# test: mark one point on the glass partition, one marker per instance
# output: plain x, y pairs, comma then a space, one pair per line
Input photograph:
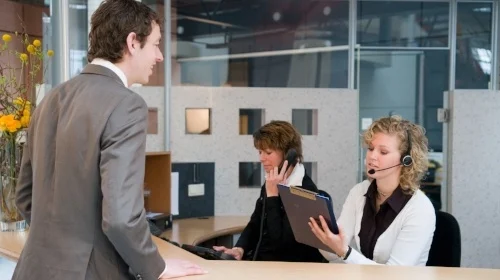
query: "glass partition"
260, 43
474, 45
403, 23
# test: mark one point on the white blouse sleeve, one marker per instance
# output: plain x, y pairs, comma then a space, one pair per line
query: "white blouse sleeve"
347, 220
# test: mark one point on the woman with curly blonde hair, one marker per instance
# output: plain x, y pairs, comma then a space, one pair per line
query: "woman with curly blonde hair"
390, 219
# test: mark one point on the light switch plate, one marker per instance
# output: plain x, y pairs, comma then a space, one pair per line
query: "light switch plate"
196, 189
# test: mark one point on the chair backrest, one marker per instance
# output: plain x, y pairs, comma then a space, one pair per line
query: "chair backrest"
446, 245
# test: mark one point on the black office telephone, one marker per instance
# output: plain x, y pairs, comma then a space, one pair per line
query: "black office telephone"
155, 230
291, 157
207, 253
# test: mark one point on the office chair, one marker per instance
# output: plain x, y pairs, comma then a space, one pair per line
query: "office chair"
446, 243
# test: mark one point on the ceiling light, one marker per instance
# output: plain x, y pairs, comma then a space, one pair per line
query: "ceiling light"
276, 16
327, 10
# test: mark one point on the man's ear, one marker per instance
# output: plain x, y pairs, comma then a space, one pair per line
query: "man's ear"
132, 43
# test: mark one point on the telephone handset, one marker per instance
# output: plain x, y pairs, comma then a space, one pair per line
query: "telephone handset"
291, 157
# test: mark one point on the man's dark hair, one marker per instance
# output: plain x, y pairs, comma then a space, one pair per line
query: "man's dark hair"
112, 22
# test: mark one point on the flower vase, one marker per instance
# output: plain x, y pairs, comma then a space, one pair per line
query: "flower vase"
10, 161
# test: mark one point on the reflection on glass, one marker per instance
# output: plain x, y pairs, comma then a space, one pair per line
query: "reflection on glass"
407, 83
436, 81
249, 174
250, 120
78, 19
473, 60
312, 170
306, 121
300, 45
404, 24
198, 121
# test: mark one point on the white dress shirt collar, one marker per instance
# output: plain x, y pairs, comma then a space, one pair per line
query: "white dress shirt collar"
112, 67
298, 173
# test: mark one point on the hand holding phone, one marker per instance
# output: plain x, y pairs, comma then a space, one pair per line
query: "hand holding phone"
277, 175
291, 158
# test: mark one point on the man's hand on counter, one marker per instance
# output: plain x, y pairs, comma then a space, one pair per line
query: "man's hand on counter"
179, 268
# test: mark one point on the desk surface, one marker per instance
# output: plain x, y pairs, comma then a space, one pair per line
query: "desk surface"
11, 245
194, 231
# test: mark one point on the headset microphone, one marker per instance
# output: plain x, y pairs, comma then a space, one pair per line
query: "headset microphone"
372, 171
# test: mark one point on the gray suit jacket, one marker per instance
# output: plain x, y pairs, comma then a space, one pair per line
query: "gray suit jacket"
81, 184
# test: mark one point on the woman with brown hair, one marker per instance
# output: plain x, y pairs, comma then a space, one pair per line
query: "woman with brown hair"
268, 236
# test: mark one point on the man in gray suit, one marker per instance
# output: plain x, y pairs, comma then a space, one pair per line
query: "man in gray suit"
81, 181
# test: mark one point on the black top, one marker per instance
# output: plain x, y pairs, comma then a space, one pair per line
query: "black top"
278, 242
374, 223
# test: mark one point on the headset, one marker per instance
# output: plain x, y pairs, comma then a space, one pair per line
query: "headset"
406, 159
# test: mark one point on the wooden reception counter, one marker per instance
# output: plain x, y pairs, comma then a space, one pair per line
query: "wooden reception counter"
11, 245
195, 231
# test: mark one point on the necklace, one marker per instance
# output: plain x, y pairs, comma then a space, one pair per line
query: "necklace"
382, 194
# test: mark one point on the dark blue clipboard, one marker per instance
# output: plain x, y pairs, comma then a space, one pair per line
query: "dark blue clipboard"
301, 204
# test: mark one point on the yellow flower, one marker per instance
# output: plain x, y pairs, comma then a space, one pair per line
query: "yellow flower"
6, 38
37, 43
23, 57
31, 49
50, 53
18, 101
9, 123
14, 126
22, 103
25, 120
3, 125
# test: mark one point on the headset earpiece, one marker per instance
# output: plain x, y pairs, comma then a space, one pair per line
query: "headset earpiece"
406, 159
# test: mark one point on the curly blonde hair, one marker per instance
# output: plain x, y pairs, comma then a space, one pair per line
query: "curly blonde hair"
410, 176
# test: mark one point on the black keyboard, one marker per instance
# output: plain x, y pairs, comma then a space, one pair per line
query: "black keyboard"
207, 253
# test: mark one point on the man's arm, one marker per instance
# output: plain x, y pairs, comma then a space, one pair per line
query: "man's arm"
122, 176
24, 188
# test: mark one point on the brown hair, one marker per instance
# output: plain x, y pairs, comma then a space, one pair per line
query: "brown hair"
112, 22
278, 135
410, 176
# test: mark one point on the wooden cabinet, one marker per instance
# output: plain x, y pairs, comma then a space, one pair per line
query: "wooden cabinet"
157, 182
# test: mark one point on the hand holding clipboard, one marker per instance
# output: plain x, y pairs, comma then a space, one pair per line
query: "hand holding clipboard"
334, 241
300, 205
